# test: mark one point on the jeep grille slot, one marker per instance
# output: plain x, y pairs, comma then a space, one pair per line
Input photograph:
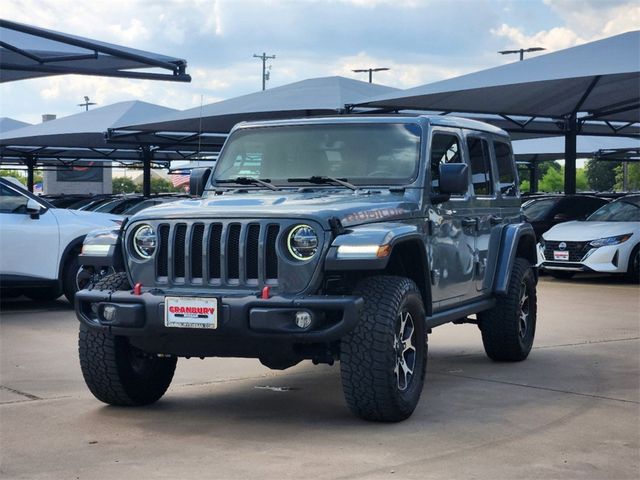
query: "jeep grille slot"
233, 252
162, 259
251, 257
221, 253
215, 236
178, 258
196, 250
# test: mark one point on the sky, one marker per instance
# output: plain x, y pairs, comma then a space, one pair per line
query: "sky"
421, 41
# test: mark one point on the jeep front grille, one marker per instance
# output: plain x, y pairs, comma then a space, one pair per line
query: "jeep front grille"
217, 253
577, 250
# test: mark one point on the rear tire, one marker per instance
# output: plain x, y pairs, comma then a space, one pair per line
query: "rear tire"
508, 329
116, 372
383, 360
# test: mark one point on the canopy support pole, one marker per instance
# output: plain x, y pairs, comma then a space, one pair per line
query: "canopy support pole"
533, 178
570, 147
31, 164
147, 156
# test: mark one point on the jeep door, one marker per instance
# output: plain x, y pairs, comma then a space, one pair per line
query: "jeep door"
451, 225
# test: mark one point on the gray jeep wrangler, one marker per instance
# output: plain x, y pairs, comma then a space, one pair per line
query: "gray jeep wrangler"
342, 238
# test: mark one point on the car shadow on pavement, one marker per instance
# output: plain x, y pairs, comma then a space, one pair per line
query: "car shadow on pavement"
18, 304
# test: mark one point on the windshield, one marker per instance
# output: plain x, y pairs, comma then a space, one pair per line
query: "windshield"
619, 211
536, 210
376, 154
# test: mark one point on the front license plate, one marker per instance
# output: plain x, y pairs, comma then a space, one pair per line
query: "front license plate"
191, 312
561, 255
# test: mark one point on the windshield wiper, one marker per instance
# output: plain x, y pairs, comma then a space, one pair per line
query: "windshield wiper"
249, 181
321, 179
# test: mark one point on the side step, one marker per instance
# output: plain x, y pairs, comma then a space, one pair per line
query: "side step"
458, 313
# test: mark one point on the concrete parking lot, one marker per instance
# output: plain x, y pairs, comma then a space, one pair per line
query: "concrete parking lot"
572, 410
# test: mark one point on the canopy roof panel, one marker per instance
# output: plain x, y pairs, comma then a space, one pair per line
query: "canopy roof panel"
31, 52
7, 124
316, 96
85, 129
600, 79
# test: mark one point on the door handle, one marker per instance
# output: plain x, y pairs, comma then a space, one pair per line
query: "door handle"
494, 219
469, 222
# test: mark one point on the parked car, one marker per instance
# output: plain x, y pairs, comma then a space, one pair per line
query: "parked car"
545, 212
324, 239
40, 244
608, 241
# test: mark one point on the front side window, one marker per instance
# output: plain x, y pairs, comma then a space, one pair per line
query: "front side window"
445, 148
363, 154
506, 173
480, 160
11, 201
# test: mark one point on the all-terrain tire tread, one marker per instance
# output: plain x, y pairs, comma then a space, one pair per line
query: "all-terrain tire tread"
103, 362
499, 330
367, 351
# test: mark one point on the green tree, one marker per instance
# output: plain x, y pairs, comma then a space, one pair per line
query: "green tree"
601, 176
633, 177
21, 175
124, 185
553, 180
159, 185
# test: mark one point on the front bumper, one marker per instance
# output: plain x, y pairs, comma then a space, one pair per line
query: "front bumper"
607, 259
246, 317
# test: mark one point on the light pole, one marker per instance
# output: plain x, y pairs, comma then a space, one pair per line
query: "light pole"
265, 75
86, 104
371, 70
522, 51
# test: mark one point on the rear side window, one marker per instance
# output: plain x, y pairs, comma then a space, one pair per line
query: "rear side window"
506, 173
445, 148
480, 166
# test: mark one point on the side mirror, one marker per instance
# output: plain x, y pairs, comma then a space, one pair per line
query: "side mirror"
34, 209
454, 178
198, 180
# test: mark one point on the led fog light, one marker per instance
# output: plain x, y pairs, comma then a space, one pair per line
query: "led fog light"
303, 319
109, 313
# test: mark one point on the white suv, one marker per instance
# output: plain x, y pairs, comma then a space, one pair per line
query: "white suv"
39, 244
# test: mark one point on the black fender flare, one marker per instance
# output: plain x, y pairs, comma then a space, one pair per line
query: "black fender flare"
517, 240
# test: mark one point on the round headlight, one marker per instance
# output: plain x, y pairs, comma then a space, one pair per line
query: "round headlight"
145, 241
302, 242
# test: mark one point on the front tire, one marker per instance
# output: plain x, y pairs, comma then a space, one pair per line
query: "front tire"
116, 372
508, 329
383, 360
633, 270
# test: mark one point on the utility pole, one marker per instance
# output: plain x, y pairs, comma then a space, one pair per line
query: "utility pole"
522, 51
265, 74
371, 70
86, 104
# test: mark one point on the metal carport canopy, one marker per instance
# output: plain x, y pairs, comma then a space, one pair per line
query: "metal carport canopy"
82, 136
32, 52
595, 81
315, 96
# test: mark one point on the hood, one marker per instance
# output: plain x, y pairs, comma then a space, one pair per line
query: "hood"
87, 217
586, 231
321, 204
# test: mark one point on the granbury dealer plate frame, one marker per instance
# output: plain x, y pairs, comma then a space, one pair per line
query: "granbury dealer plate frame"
191, 312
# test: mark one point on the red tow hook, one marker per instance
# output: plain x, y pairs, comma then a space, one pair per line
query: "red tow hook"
265, 293
137, 289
